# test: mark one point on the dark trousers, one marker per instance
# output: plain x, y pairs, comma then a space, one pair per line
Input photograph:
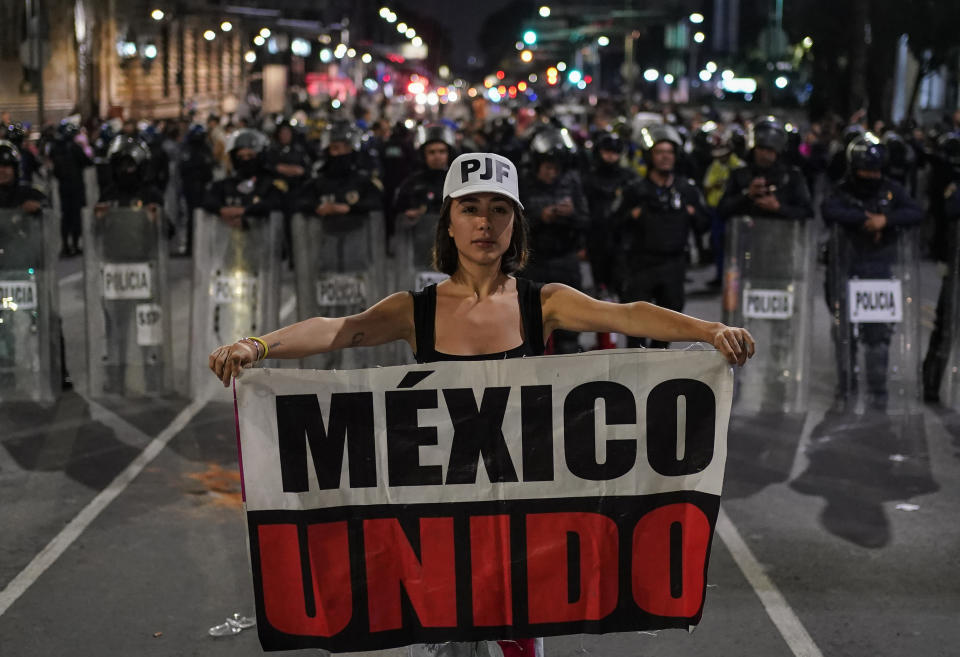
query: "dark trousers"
661, 284
71, 220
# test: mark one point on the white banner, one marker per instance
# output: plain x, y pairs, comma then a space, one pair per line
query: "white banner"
874, 301
149, 325
337, 289
127, 280
263, 394
767, 304
230, 289
18, 295
482, 485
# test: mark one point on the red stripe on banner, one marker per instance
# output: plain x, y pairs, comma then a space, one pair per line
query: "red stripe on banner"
670, 545
429, 582
593, 594
490, 570
329, 607
236, 424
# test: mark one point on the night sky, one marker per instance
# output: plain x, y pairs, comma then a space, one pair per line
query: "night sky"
463, 19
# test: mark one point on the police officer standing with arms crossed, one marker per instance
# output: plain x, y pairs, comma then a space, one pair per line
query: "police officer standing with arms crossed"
654, 221
340, 186
558, 216
869, 208
250, 190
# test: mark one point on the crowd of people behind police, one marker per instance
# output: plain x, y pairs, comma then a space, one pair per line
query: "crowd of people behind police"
637, 194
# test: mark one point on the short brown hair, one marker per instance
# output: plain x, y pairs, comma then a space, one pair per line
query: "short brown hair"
446, 259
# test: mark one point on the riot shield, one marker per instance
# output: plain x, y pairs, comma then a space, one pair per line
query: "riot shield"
129, 341
873, 295
340, 271
29, 308
413, 253
236, 286
948, 349
768, 290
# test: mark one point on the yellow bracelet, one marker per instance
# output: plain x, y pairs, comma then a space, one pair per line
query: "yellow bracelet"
263, 344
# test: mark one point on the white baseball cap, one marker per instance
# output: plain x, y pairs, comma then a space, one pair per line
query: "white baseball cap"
472, 173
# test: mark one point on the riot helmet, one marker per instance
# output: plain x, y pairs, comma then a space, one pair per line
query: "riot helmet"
551, 144
865, 153
432, 134
246, 149
851, 132
768, 133
286, 125
608, 147
196, 134
341, 130
10, 157
129, 158
660, 133
900, 155
67, 130
737, 139
16, 134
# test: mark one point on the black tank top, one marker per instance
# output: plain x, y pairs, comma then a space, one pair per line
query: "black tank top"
531, 317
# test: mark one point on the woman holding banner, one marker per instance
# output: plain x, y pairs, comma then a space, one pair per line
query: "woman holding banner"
482, 312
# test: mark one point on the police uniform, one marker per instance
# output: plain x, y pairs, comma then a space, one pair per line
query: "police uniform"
555, 245
603, 187
938, 350
259, 195
341, 182
69, 161
651, 248
867, 257
790, 190
196, 172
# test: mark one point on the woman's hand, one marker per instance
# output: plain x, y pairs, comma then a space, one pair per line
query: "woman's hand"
230, 360
736, 344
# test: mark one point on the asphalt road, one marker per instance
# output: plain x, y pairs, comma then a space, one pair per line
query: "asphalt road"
838, 536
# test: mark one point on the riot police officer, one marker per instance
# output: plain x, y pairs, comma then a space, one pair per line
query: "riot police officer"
654, 221
422, 192
128, 182
869, 208
558, 216
287, 159
13, 192
901, 162
29, 164
946, 212
250, 190
603, 186
196, 171
69, 161
767, 186
340, 190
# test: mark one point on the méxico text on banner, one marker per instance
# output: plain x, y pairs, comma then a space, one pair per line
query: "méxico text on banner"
463, 501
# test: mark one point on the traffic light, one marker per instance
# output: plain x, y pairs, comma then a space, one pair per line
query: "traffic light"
529, 37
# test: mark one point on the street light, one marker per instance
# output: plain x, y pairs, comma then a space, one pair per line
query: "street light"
668, 78
807, 43
696, 18
416, 41
250, 57
711, 66
366, 58
561, 66
603, 41
651, 75
259, 40
226, 26
265, 32
699, 37
150, 51
209, 35
529, 37
728, 74
401, 27
157, 14
526, 56
410, 33
384, 12
574, 76
544, 12
781, 82
392, 18
705, 75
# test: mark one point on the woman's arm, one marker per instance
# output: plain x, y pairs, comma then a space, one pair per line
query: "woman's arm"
569, 309
390, 319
